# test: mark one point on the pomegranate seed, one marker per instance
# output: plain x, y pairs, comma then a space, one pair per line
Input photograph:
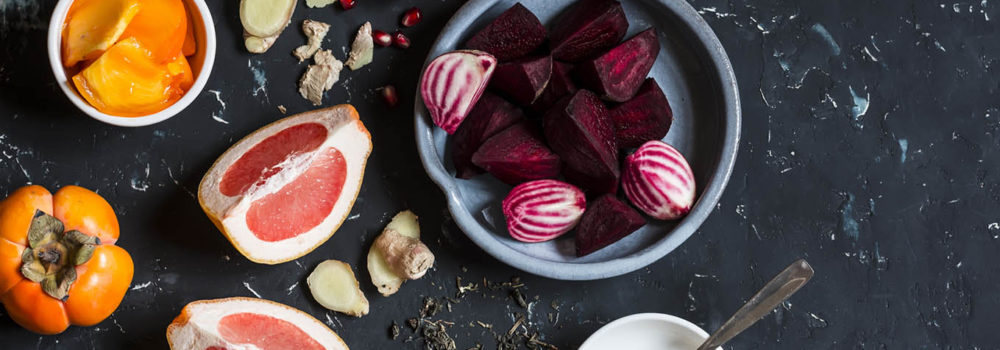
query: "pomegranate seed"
400, 40
411, 17
390, 96
347, 4
381, 38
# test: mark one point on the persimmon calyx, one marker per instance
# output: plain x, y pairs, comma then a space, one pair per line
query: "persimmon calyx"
52, 255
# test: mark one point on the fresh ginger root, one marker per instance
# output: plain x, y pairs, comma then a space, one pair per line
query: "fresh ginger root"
398, 254
315, 32
263, 21
362, 49
333, 285
407, 257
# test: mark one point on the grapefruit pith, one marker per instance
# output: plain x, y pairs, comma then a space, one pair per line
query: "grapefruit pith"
280, 192
249, 323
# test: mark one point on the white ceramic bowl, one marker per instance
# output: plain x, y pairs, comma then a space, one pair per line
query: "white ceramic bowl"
201, 65
648, 331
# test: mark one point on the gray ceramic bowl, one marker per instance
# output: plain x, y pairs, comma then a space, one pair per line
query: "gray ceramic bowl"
695, 74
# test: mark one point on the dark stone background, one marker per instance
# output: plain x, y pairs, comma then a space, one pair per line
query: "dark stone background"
871, 147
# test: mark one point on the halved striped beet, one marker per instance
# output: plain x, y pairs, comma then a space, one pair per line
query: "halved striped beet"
452, 83
542, 210
658, 181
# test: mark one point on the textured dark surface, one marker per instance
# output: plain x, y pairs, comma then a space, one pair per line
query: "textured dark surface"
871, 145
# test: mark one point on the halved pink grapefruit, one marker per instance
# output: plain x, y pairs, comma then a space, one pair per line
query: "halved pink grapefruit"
280, 192
248, 323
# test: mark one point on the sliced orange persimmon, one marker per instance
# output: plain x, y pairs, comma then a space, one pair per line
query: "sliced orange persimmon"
126, 81
93, 26
181, 72
160, 26
190, 42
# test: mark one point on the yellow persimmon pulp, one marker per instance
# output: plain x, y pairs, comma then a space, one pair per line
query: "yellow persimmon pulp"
127, 57
92, 26
127, 81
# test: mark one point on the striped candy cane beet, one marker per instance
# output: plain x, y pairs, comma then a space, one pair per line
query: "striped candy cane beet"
452, 83
658, 181
542, 210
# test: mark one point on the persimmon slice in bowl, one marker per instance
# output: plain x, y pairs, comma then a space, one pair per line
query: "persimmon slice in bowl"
286, 188
248, 322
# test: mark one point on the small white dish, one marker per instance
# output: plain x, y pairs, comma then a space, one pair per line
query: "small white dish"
649, 331
201, 65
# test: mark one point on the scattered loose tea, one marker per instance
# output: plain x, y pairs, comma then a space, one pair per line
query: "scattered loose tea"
394, 331
519, 298
436, 336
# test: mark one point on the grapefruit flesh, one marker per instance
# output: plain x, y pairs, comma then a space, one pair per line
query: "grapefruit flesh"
301, 204
280, 192
261, 162
265, 332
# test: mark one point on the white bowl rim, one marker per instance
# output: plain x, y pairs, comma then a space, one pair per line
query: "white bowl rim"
54, 43
644, 317
702, 208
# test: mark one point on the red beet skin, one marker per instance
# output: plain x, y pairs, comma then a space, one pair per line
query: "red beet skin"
617, 74
606, 221
587, 28
491, 115
580, 132
517, 155
645, 117
523, 80
560, 85
512, 35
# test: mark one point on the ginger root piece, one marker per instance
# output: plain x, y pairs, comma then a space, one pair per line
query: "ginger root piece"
362, 49
398, 254
258, 45
263, 21
320, 76
315, 32
319, 3
407, 257
333, 285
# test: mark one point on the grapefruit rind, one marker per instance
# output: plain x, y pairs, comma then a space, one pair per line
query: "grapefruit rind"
197, 326
346, 133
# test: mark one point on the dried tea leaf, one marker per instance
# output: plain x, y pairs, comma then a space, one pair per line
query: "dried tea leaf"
394, 331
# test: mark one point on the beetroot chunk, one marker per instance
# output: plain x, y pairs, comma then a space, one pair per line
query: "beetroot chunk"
523, 80
491, 115
517, 155
513, 34
580, 132
617, 74
645, 117
606, 221
560, 85
588, 28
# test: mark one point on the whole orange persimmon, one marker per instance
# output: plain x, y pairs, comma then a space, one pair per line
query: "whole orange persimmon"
59, 264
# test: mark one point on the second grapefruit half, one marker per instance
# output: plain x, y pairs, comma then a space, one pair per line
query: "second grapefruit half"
248, 323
